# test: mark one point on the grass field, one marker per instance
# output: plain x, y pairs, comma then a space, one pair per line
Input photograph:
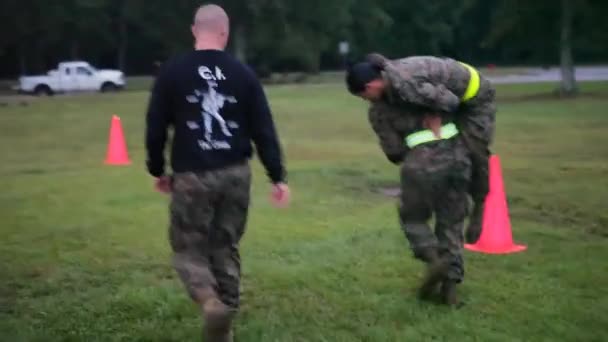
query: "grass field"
84, 253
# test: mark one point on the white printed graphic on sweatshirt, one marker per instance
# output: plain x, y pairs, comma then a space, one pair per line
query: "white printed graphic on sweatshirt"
212, 103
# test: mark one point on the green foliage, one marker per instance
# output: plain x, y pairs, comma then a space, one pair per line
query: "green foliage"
288, 35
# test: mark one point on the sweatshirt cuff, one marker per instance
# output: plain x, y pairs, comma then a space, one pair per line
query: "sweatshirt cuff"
156, 169
278, 176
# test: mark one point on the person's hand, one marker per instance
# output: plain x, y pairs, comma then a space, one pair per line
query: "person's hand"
162, 184
280, 195
433, 122
377, 60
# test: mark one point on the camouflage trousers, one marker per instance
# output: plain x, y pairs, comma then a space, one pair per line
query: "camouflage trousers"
208, 216
477, 125
435, 179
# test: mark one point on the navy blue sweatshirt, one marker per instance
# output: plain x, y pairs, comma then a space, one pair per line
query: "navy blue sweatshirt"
217, 108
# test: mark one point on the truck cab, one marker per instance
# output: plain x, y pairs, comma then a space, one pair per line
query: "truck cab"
73, 76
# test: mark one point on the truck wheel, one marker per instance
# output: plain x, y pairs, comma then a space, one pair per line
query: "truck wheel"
108, 87
43, 90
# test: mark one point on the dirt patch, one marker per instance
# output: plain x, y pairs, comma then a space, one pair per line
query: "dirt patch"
392, 192
15, 100
354, 180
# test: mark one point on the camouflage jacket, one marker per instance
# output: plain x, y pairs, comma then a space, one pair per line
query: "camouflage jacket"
435, 83
391, 125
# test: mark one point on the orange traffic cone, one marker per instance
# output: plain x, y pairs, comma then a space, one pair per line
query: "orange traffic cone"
496, 236
117, 148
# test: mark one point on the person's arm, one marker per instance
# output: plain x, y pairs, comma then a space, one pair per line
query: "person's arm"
264, 135
418, 88
158, 118
391, 141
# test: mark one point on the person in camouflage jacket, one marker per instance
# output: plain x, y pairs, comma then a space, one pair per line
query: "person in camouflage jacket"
434, 180
442, 86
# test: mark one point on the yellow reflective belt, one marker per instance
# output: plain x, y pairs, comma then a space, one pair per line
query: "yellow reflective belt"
473, 86
447, 131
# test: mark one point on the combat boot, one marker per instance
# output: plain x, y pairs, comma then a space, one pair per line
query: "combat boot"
217, 317
449, 293
210, 335
435, 272
475, 223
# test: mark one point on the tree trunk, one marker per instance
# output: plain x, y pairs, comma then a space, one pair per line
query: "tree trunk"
74, 53
122, 45
240, 44
314, 62
568, 84
38, 65
22, 60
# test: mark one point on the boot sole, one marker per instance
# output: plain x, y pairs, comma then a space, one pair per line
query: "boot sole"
432, 279
214, 336
218, 321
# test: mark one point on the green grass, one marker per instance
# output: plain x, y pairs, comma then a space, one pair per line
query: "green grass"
84, 253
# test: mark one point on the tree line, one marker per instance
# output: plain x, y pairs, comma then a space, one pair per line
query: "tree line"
296, 35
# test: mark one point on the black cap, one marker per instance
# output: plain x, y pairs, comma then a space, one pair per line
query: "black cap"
360, 74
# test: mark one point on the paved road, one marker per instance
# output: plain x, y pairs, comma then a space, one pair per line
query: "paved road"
534, 75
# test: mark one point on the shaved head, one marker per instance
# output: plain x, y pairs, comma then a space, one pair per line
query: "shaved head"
211, 28
211, 18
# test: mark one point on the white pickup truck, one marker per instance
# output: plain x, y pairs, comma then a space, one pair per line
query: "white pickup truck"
75, 76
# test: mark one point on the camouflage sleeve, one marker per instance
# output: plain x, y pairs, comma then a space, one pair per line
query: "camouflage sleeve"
391, 141
418, 88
